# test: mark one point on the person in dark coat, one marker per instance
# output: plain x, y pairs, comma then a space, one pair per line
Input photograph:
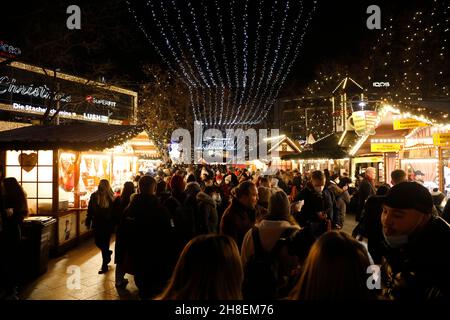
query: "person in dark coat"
13, 210
101, 218
150, 239
182, 206
316, 208
176, 200
239, 217
207, 218
119, 205
281, 184
369, 225
416, 263
365, 190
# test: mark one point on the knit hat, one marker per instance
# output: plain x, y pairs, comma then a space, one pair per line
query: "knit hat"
409, 195
279, 205
193, 187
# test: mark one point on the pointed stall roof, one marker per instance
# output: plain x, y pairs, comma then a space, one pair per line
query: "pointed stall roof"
325, 148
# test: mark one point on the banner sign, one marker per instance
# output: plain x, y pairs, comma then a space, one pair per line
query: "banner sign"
408, 123
368, 159
385, 147
441, 139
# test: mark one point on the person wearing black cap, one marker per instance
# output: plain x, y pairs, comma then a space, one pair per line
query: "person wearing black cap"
416, 260
370, 225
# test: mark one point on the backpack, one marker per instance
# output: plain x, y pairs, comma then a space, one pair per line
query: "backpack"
262, 270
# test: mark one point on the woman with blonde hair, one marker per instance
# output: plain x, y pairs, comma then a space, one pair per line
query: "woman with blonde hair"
209, 268
101, 218
335, 269
270, 237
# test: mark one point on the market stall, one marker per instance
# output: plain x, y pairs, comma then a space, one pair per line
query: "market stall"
426, 157
415, 139
380, 141
59, 167
320, 155
282, 147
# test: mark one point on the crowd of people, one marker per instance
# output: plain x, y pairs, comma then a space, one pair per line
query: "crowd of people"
219, 233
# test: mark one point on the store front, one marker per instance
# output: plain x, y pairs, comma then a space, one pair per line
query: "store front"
426, 156
59, 168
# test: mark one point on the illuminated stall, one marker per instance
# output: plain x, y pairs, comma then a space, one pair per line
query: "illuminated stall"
418, 144
426, 157
59, 167
381, 140
149, 158
323, 154
283, 147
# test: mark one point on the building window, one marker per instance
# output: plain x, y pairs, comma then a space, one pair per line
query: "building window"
34, 171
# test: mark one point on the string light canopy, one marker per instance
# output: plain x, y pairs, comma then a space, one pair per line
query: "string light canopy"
234, 56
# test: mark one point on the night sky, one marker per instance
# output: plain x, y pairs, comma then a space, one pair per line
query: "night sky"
337, 32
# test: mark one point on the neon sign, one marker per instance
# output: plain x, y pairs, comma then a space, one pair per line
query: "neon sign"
10, 86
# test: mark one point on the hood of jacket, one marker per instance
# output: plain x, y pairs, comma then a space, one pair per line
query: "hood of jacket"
204, 197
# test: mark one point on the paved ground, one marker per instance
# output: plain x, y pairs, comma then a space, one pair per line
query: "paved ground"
349, 223
56, 282
53, 285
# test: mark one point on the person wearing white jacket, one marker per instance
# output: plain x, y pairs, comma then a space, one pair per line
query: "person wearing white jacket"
270, 229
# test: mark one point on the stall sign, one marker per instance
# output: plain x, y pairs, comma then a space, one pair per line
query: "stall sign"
441, 139
385, 147
401, 124
368, 159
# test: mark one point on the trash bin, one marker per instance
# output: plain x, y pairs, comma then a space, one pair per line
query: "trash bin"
36, 235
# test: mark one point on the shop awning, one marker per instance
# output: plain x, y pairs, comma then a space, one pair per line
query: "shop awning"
73, 136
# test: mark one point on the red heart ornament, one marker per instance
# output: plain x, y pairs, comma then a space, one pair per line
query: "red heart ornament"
28, 161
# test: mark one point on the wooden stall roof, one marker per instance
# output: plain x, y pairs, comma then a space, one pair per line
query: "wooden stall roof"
326, 148
74, 136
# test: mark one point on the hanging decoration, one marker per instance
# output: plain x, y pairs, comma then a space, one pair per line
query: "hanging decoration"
234, 56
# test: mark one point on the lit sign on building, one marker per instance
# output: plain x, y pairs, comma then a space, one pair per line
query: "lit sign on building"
104, 102
9, 51
64, 114
34, 90
8, 85
381, 84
